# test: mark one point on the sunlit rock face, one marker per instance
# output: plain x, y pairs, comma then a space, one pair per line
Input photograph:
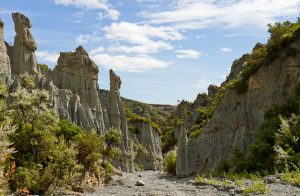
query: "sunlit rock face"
75, 71
23, 52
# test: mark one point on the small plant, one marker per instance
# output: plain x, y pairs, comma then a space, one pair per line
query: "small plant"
291, 178
200, 179
169, 165
256, 187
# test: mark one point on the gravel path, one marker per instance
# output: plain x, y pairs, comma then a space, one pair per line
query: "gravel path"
158, 184
155, 184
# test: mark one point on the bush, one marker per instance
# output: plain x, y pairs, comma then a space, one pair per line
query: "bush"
169, 165
90, 148
69, 130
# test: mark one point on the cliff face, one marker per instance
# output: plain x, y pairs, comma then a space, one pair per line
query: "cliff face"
239, 115
147, 144
5, 69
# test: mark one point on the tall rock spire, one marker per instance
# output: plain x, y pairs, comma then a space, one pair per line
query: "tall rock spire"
118, 120
24, 48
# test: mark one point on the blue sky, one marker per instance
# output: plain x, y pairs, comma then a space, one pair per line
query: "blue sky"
164, 50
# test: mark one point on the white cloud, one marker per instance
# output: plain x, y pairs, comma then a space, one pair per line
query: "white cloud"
144, 39
92, 4
47, 57
136, 63
192, 54
83, 39
140, 34
199, 14
225, 50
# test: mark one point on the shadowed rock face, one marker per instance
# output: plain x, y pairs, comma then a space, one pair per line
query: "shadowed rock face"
24, 59
238, 116
118, 120
5, 69
150, 155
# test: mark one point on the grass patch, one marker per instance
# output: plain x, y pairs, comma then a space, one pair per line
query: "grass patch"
291, 178
256, 187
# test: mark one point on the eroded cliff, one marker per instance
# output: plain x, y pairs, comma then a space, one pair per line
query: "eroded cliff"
239, 114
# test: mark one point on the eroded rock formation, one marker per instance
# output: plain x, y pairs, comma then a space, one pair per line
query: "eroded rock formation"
77, 72
5, 69
147, 144
118, 120
23, 59
239, 115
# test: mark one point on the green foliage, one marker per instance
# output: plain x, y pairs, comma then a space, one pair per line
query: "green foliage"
291, 178
44, 161
44, 68
263, 156
133, 117
287, 145
169, 164
112, 139
69, 130
90, 147
258, 187
5, 129
167, 136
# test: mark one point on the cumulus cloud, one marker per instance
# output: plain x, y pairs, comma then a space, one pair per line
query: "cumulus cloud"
139, 34
192, 54
200, 14
92, 4
143, 39
47, 57
137, 63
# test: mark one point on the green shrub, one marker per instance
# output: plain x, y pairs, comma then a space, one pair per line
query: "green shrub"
90, 148
44, 68
169, 164
262, 154
43, 160
69, 130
